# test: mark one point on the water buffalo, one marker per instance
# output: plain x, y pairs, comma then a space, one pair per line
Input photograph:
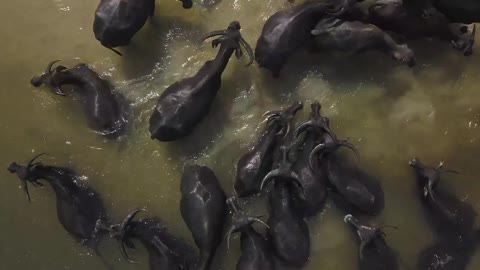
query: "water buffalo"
255, 164
79, 208
289, 30
166, 252
314, 182
374, 253
104, 108
462, 11
449, 254
117, 21
355, 37
352, 188
256, 250
449, 216
411, 24
204, 210
184, 104
288, 230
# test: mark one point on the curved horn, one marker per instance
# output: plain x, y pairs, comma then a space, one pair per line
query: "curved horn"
350, 146
449, 171
228, 235
115, 51
302, 128
123, 232
287, 128
50, 65
213, 34
271, 175
30, 163
317, 148
248, 49
253, 219
271, 113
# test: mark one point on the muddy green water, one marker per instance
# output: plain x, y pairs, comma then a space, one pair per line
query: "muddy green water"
389, 111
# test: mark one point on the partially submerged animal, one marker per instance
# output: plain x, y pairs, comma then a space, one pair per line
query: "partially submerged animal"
256, 251
184, 104
352, 189
288, 230
166, 252
461, 11
254, 165
449, 254
449, 216
411, 23
80, 209
313, 181
103, 107
204, 210
356, 37
117, 21
374, 253
289, 30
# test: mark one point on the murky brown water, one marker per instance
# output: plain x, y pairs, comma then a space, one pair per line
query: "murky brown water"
389, 111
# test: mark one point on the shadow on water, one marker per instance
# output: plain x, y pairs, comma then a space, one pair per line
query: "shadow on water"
150, 45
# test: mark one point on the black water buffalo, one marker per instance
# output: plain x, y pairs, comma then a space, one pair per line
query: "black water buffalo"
448, 215
289, 30
104, 108
314, 182
117, 21
462, 11
449, 254
374, 253
256, 250
255, 164
352, 189
409, 22
355, 37
452, 219
166, 252
184, 104
288, 230
79, 208
204, 210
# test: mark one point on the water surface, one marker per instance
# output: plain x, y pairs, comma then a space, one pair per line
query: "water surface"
392, 113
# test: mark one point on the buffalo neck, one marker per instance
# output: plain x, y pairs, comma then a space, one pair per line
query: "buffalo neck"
62, 180
220, 62
280, 198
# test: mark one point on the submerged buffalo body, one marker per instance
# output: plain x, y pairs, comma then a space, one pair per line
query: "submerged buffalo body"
256, 251
287, 31
355, 37
204, 210
165, 251
184, 104
117, 21
103, 107
79, 208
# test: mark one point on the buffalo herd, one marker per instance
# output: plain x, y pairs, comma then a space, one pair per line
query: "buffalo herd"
297, 168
